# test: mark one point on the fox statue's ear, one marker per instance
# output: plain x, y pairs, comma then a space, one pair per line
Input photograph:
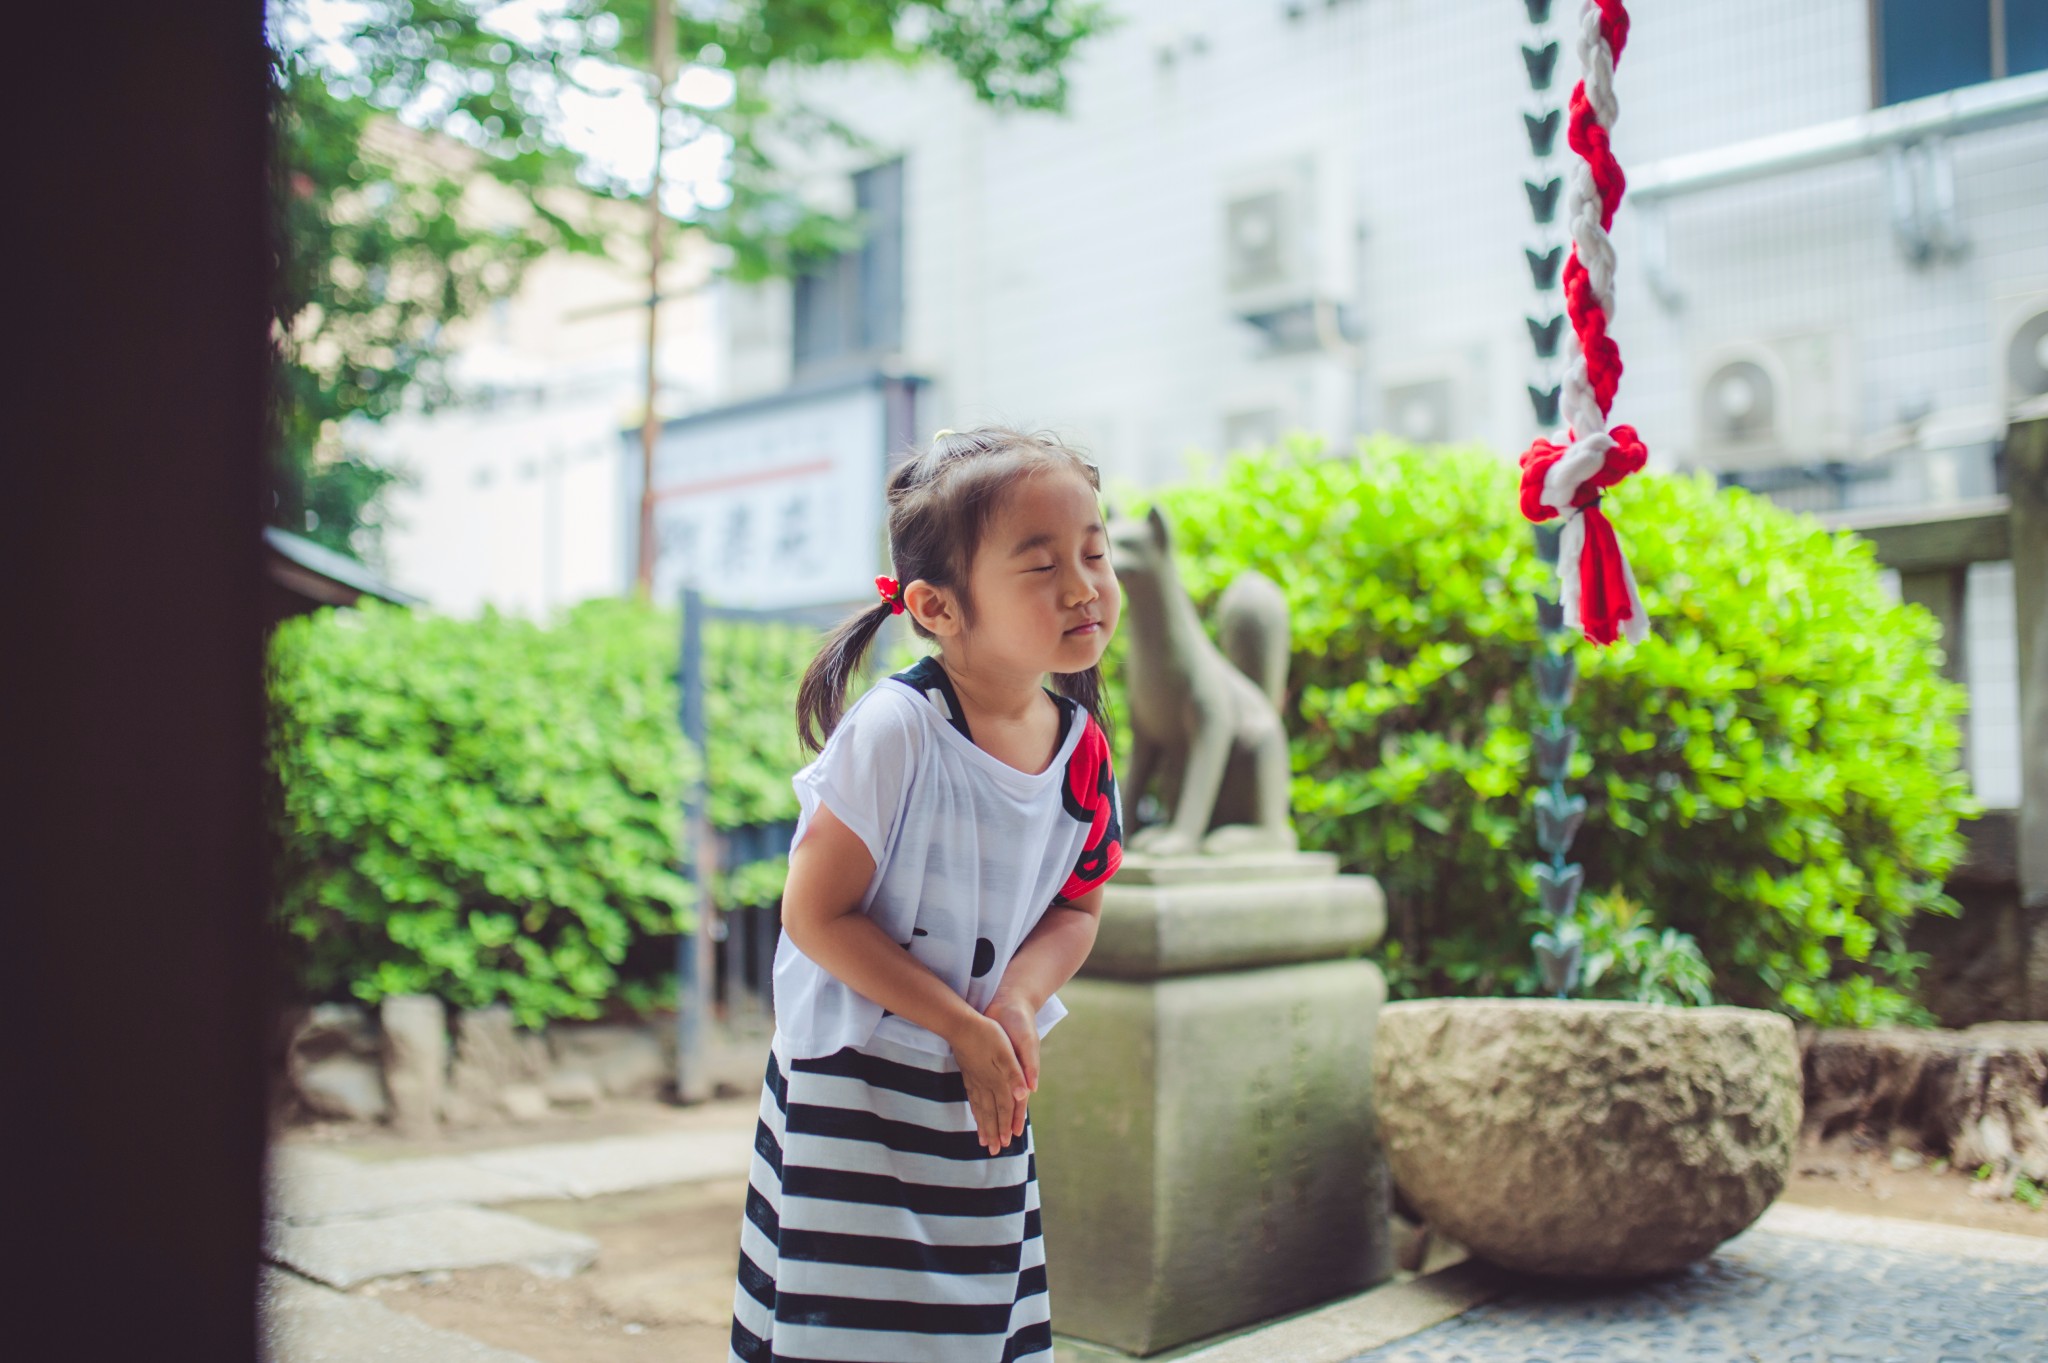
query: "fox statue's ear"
1157, 523
1108, 513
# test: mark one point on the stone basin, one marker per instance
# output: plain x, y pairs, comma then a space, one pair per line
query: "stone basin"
1586, 1139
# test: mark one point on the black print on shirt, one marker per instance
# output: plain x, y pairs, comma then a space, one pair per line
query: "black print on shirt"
1089, 795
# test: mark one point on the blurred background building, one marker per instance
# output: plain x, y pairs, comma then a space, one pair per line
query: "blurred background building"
1267, 217
1258, 218
514, 489
1261, 217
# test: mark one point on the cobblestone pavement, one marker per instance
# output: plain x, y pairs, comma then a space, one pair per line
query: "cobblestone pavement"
1763, 1298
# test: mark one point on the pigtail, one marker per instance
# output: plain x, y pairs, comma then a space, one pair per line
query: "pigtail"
1085, 690
821, 700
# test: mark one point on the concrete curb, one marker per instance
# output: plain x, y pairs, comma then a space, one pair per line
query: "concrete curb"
1343, 1329
1914, 1237
1334, 1331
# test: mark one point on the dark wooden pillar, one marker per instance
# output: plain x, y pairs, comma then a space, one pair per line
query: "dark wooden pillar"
136, 1004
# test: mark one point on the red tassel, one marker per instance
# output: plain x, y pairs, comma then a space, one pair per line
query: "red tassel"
1603, 589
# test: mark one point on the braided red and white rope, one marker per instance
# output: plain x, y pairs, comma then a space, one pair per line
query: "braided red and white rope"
1596, 587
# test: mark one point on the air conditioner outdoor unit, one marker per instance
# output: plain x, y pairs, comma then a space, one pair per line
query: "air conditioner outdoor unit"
1287, 249
1253, 428
1784, 400
2021, 340
1424, 411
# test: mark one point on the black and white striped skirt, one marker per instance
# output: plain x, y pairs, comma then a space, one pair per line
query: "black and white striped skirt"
878, 1229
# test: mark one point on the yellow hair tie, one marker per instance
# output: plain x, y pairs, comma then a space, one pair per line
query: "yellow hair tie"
942, 433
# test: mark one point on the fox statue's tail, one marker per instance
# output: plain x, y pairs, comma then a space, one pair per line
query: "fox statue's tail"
1251, 629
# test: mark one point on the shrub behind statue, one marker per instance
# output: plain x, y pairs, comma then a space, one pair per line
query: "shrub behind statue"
1773, 772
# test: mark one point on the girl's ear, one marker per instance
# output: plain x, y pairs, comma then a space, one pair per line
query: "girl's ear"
933, 607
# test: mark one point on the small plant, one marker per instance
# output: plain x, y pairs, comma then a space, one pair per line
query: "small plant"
1627, 957
2025, 1191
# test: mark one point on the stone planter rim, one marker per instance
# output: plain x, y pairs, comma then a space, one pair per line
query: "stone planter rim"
1587, 1005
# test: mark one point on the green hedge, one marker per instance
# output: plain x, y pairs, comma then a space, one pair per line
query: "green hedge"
1773, 772
491, 810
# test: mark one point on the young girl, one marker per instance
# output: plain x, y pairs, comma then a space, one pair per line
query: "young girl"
955, 833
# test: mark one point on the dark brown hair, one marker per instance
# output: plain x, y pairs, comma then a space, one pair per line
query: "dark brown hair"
941, 501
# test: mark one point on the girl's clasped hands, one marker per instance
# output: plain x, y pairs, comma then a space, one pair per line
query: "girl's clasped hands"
998, 1055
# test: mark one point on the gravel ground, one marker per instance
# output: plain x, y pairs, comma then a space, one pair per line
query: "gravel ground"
1763, 1299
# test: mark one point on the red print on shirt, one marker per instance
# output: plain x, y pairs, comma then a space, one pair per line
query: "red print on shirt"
1089, 794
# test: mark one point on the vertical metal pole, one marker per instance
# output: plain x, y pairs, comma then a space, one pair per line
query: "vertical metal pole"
767, 936
693, 949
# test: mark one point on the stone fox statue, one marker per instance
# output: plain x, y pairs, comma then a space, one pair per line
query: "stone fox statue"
1208, 726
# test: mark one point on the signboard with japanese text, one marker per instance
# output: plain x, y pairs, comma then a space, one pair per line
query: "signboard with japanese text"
775, 503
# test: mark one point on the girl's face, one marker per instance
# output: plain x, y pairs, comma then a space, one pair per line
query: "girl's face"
1045, 597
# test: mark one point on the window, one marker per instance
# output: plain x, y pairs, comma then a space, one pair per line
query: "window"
850, 308
1924, 47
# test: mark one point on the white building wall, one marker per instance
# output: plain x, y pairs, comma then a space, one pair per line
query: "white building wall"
515, 498
1068, 272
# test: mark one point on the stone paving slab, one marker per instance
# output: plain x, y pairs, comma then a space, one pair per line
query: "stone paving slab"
1765, 1297
311, 1186
303, 1322
324, 1193
348, 1251
621, 1164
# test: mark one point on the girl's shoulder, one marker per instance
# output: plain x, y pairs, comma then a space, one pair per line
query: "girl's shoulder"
884, 715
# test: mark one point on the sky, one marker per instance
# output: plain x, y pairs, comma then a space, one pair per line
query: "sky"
613, 130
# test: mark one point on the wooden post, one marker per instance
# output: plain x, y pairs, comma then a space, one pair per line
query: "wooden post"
661, 42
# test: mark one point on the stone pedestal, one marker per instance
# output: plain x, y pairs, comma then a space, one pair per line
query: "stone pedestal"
1207, 1151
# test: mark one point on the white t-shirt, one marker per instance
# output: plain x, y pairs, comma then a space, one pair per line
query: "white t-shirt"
969, 852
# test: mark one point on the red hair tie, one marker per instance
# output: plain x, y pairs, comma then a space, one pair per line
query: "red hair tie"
892, 592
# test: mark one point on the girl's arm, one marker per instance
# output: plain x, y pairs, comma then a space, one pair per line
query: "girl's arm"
828, 875
1046, 959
